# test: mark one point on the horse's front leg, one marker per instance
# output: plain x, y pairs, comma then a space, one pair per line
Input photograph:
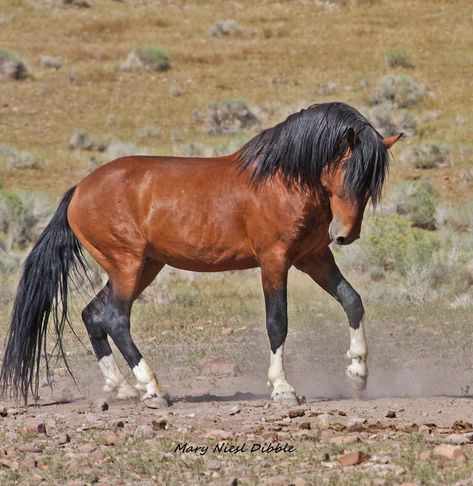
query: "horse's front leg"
274, 276
325, 272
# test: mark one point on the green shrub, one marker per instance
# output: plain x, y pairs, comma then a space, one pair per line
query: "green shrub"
11, 65
398, 58
390, 120
458, 218
230, 117
402, 90
427, 155
155, 59
22, 217
415, 201
392, 244
225, 28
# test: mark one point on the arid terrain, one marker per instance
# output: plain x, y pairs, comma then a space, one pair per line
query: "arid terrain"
85, 81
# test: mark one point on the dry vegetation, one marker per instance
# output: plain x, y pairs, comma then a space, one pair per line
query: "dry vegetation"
205, 77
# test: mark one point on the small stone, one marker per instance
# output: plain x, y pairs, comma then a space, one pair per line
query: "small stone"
462, 425
101, 405
144, 432
296, 412
159, 424
323, 420
35, 426
344, 440
64, 439
391, 414
3, 412
235, 410
353, 458
424, 429
450, 452
456, 439
425, 455
356, 425
226, 331
304, 426
33, 448
408, 484
97, 456
300, 482
111, 438
87, 448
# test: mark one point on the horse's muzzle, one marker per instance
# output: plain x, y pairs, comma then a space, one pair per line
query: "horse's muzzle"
338, 235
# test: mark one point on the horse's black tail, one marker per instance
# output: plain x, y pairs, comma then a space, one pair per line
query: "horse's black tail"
42, 292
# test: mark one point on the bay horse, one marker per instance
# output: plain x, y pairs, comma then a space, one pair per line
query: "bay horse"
277, 202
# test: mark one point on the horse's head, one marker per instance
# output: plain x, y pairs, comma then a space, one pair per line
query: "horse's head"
347, 206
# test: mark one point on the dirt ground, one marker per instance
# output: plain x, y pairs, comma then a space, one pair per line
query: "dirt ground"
223, 429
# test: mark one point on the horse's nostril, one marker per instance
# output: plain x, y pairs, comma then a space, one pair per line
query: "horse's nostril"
341, 240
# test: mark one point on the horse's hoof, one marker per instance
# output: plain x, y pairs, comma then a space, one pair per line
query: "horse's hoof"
357, 381
156, 401
286, 398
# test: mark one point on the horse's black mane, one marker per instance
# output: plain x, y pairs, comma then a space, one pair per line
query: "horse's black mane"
301, 146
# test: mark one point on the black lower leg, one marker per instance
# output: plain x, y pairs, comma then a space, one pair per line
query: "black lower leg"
116, 322
276, 317
351, 303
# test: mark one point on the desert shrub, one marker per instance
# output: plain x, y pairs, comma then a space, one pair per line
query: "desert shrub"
148, 132
23, 216
116, 149
12, 158
146, 58
80, 140
415, 201
225, 28
401, 90
398, 58
190, 149
50, 62
11, 65
390, 120
391, 244
462, 301
427, 155
229, 117
458, 218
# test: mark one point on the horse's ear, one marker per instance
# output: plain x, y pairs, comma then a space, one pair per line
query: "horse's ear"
388, 142
351, 138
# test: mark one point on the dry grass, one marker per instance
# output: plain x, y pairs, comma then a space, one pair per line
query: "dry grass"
287, 53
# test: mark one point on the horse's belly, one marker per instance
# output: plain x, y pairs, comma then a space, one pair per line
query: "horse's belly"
203, 259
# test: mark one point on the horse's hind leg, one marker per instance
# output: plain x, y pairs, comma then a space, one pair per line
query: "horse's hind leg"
124, 288
114, 380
